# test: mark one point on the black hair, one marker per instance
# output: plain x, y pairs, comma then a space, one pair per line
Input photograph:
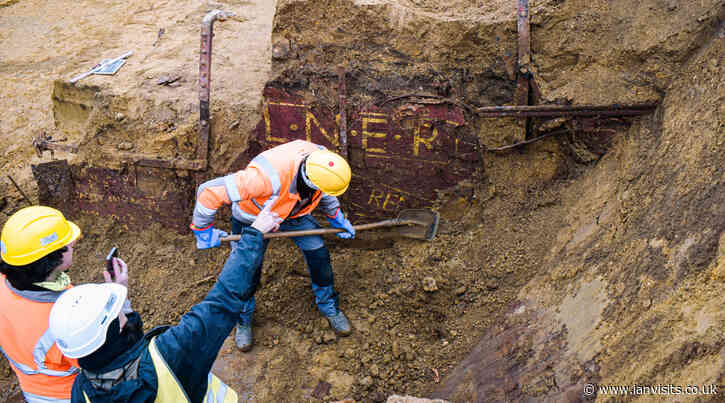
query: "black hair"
118, 341
303, 189
23, 277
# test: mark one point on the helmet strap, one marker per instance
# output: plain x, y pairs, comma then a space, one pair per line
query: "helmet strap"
308, 182
61, 282
118, 341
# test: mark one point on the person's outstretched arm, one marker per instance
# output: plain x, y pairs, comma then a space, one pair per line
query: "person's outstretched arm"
191, 347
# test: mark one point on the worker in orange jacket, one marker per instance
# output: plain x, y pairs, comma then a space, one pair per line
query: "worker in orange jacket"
294, 178
36, 246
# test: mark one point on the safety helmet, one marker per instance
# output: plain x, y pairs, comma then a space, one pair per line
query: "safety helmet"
328, 172
34, 232
81, 315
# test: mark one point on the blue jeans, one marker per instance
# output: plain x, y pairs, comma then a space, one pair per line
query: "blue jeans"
318, 266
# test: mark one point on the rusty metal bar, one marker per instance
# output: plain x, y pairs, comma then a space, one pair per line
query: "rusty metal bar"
71, 148
137, 159
535, 139
566, 110
43, 144
175, 163
207, 33
524, 30
404, 96
438, 100
521, 96
343, 116
27, 199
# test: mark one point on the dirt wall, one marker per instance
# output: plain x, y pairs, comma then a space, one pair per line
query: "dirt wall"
627, 294
561, 266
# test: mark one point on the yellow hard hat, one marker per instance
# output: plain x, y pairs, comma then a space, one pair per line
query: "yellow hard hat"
328, 171
34, 232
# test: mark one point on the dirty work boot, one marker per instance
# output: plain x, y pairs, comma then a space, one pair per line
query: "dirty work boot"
340, 324
243, 337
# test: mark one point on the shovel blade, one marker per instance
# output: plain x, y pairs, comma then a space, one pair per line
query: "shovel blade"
423, 224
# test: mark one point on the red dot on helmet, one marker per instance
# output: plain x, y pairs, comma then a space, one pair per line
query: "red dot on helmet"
332, 163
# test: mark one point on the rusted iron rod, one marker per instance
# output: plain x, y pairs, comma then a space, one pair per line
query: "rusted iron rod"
27, 199
43, 145
138, 159
191, 165
566, 110
438, 98
535, 139
524, 31
521, 95
410, 95
343, 117
207, 33
174, 163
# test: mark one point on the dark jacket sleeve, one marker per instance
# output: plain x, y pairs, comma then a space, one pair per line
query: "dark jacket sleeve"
191, 347
329, 204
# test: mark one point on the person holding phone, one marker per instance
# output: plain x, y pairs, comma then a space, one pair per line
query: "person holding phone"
294, 179
109, 261
170, 363
36, 247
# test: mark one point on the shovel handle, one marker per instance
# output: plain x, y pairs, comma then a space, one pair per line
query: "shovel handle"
321, 231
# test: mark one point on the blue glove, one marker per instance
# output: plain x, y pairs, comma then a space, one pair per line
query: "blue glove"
339, 221
208, 237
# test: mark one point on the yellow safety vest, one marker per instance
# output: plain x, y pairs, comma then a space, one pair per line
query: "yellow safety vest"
169, 390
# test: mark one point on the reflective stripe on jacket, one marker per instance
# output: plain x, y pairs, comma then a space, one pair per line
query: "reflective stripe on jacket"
271, 177
44, 373
169, 390
190, 348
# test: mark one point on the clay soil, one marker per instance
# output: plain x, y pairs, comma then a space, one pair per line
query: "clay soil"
567, 262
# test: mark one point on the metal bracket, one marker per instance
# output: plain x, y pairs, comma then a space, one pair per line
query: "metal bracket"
45, 142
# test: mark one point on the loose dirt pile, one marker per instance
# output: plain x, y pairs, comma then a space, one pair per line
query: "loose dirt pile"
563, 265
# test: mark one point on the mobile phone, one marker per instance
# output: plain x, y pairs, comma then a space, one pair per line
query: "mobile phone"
109, 261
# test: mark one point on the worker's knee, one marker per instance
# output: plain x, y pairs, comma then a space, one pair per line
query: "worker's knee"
318, 262
309, 242
248, 293
249, 286
249, 282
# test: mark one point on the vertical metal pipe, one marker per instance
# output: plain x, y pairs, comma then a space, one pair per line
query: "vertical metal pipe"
207, 33
343, 116
524, 31
521, 96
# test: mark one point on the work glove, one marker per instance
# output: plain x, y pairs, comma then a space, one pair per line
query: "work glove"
339, 221
208, 237
267, 220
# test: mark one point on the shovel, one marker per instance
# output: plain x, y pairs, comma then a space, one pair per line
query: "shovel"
417, 224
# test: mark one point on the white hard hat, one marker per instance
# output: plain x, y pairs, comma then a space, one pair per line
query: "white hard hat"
80, 317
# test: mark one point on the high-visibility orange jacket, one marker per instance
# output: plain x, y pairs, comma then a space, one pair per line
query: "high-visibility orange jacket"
44, 373
271, 177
